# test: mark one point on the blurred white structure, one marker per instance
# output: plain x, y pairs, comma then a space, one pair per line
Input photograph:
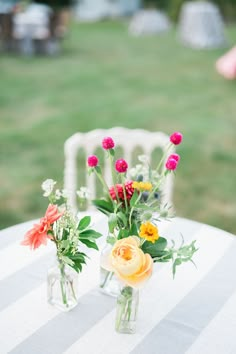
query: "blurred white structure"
93, 10
31, 30
34, 22
201, 25
147, 22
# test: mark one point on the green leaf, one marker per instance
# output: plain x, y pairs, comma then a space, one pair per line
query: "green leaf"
112, 152
98, 169
123, 233
89, 244
67, 260
111, 240
155, 249
134, 198
133, 230
112, 222
89, 234
123, 218
103, 205
84, 222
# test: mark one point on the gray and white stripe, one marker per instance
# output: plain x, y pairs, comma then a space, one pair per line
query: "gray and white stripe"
195, 313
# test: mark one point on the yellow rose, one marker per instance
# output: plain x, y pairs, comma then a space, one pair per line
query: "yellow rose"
129, 262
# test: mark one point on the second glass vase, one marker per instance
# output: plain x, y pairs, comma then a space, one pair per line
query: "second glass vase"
109, 283
62, 286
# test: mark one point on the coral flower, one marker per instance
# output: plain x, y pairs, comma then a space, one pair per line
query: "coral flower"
108, 143
176, 138
121, 166
149, 232
92, 161
38, 235
51, 215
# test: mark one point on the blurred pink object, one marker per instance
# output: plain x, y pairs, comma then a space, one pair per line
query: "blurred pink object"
226, 65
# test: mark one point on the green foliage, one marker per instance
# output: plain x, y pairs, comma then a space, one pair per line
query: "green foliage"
156, 249
133, 209
68, 232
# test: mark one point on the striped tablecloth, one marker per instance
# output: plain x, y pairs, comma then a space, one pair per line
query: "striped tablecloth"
193, 314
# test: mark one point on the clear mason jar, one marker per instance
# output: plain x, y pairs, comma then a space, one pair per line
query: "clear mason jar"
109, 283
126, 310
62, 286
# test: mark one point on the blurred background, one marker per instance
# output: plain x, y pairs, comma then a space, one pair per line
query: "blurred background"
76, 66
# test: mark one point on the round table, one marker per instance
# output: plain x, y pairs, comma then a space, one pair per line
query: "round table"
194, 313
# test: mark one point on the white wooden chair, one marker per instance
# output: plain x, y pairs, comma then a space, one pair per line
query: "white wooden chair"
127, 139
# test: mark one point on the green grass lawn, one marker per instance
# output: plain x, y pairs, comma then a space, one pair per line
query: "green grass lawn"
106, 78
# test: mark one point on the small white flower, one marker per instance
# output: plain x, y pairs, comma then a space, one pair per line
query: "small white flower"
64, 193
144, 159
58, 194
83, 193
47, 186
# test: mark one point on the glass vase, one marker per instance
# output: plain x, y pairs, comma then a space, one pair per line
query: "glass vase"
126, 310
109, 283
62, 286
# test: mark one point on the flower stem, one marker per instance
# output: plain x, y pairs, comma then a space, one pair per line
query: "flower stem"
99, 176
108, 277
63, 284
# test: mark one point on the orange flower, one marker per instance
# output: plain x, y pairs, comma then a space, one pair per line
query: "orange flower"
149, 232
129, 262
38, 235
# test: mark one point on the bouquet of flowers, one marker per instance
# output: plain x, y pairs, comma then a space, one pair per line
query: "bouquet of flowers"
134, 209
63, 228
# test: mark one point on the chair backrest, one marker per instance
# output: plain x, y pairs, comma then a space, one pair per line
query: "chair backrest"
128, 140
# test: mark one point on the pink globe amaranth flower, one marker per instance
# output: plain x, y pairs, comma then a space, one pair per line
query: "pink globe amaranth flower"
92, 161
121, 166
176, 138
108, 143
171, 164
175, 157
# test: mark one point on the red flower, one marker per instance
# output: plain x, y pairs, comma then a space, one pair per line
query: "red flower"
129, 189
175, 157
171, 164
176, 138
108, 143
38, 235
117, 189
121, 166
120, 192
92, 161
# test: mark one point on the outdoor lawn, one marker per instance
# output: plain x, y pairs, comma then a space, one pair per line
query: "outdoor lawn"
106, 78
